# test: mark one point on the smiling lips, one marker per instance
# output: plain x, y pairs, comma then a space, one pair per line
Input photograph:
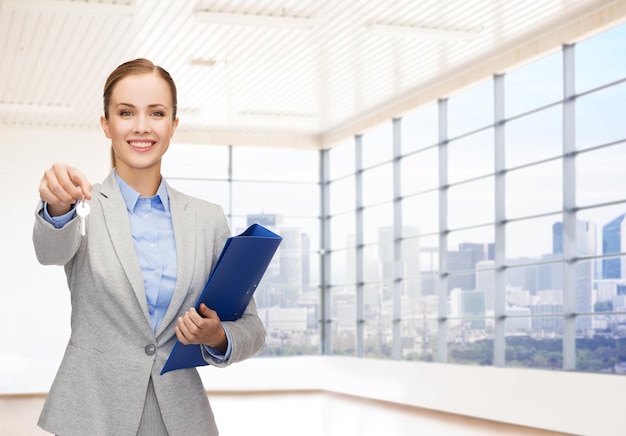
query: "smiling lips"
141, 145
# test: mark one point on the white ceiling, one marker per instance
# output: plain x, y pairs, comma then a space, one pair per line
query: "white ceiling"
267, 85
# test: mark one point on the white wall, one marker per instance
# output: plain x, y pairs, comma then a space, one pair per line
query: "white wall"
34, 311
34, 301
568, 402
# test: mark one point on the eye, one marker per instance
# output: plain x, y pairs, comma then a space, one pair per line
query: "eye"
125, 113
158, 114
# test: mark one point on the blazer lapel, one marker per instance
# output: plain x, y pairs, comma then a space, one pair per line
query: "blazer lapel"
185, 228
118, 225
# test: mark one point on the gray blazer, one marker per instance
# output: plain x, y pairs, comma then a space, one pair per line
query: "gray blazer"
101, 384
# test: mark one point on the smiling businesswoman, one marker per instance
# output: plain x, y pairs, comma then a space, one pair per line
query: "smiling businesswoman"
145, 256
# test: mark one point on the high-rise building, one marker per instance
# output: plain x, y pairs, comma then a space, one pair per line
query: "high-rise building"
465, 259
613, 241
585, 245
469, 304
285, 277
557, 238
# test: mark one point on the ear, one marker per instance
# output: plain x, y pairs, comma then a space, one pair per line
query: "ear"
105, 126
174, 126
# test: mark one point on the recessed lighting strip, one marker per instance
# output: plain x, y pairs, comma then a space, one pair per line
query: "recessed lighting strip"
427, 33
255, 20
36, 108
83, 7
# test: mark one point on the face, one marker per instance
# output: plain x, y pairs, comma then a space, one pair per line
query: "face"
140, 123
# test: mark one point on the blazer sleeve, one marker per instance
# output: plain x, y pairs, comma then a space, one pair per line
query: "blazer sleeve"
54, 246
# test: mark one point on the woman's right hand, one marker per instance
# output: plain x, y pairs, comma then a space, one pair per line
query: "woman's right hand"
61, 186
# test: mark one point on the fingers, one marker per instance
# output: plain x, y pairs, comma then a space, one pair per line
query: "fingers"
62, 185
189, 327
193, 328
208, 313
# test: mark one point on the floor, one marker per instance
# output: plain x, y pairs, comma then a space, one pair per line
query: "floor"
311, 413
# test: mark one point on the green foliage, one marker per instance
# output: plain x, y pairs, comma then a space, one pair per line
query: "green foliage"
597, 354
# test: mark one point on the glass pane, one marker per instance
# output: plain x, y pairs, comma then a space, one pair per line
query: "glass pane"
343, 338
471, 156
374, 294
378, 263
411, 262
420, 340
265, 163
600, 117
611, 293
420, 171
613, 268
534, 190
462, 265
213, 191
601, 352
377, 222
485, 283
600, 175
532, 238
424, 306
543, 350
342, 231
343, 267
533, 285
378, 338
420, 128
461, 282
343, 305
378, 184
596, 60
534, 137
311, 275
610, 228
276, 198
428, 268
518, 321
290, 331
583, 298
341, 159
471, 109
196, 161
420, 214
471, 203
470, 341
466, 248
534, 85
342, 195
377, 145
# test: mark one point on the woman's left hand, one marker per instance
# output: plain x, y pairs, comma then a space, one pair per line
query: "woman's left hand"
202, 328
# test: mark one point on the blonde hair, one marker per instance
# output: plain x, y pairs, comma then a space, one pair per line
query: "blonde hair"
130, 68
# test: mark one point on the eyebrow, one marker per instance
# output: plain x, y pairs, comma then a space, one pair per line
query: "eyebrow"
153, 105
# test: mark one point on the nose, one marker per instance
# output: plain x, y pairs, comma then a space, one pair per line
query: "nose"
142, 124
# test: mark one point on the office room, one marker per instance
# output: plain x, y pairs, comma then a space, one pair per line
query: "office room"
446, 178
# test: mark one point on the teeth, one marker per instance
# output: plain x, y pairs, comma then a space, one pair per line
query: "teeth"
140, 144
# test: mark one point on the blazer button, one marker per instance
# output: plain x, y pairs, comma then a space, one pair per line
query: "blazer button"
150, 349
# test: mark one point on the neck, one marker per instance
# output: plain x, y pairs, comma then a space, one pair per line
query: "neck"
145, 181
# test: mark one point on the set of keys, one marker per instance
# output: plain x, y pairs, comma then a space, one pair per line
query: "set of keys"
82, 210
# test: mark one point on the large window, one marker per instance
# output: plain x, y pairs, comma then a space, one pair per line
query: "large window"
278, 188
486, 228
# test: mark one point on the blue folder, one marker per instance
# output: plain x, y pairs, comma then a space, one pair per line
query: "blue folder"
235, 276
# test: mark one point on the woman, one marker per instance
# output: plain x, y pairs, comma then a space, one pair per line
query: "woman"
142, 263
